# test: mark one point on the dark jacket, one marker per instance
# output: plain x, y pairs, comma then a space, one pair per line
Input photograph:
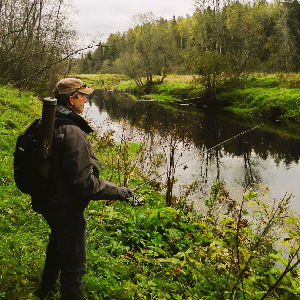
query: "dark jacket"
74, 167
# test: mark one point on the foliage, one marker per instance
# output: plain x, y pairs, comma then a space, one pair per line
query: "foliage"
218, 41
161, 253
208, 68
150, 252
37, 42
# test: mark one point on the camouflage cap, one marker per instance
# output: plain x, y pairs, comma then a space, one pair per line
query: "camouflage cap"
72, 85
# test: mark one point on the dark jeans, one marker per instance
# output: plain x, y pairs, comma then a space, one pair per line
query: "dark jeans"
66, 252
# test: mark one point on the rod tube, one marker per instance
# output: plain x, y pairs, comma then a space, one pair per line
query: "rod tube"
46, 136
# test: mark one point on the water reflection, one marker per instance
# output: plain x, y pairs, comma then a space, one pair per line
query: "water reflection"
262, 156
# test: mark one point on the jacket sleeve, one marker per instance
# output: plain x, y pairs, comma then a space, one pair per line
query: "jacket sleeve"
80, 166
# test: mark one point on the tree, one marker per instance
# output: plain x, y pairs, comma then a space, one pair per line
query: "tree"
146, 45
287, 36
209, 66
293, 23
207, 57
35, 38
148, 49
170, 54
243, 38
223, 41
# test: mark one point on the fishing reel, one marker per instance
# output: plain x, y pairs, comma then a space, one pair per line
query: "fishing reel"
136, 200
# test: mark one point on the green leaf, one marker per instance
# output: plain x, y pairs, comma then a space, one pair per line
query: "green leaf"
169, 260
160, 251
260, 212
286, 243
289, 289
232, 241
272, 279
274, 256
272, 271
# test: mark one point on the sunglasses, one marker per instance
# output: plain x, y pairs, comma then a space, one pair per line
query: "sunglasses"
77, 90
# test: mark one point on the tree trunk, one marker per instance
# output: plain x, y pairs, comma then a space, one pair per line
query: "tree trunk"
170, 175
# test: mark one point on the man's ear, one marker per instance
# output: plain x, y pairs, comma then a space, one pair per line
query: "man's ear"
71, 101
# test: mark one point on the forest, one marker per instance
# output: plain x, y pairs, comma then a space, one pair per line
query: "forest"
221, 41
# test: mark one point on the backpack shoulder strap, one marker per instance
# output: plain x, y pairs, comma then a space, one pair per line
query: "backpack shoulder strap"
63, 121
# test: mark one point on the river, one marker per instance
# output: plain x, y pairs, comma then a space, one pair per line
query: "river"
265, 156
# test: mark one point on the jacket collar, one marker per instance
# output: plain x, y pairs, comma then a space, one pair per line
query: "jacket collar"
65, 112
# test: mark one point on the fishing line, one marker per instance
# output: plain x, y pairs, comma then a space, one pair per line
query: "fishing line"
202, 153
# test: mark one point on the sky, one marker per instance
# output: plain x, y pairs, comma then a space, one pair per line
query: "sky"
99, 18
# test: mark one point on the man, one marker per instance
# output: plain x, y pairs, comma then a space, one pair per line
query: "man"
75, 174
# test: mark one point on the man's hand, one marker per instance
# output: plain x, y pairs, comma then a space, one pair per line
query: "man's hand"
124, 194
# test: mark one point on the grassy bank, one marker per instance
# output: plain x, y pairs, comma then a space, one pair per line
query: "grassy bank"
23, 233
149, 252
102, 80
174, 87
275, 96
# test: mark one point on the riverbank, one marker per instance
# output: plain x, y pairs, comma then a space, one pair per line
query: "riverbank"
275, 96
152, 251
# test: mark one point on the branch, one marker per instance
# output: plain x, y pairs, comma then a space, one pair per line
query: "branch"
268, 226
23, 26
287, 270
54, 63
9, 33
20, 58
237, 243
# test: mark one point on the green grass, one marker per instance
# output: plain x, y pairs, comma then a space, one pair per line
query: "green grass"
276, 102
172, 89
102, 80
23, 233
274, 96
265, 81
150, 252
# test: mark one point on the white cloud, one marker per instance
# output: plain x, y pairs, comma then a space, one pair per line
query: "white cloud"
109, 16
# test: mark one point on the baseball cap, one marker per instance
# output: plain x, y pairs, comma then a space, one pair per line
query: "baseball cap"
72, 85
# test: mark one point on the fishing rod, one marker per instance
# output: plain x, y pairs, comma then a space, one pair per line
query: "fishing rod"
138, 201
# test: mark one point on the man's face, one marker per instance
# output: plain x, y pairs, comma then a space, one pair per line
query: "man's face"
78, 103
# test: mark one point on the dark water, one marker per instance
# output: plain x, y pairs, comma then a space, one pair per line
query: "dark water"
265, 155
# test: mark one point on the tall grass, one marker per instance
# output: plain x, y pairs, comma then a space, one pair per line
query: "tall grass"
23, 233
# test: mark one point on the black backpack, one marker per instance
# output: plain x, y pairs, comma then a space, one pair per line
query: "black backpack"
26, 176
